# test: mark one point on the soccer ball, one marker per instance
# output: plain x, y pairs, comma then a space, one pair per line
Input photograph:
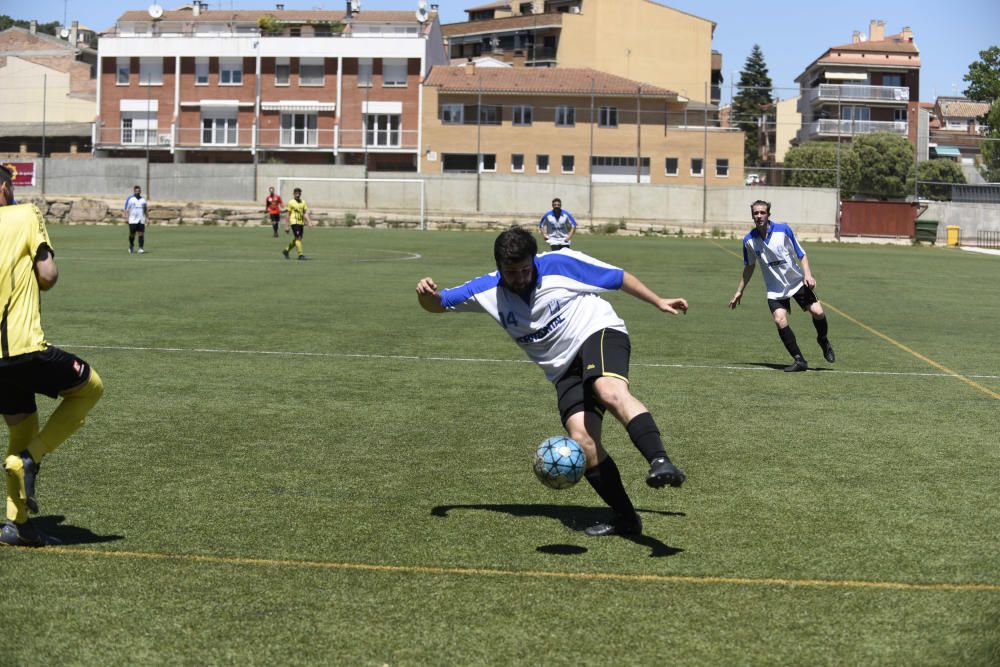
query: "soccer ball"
559, 462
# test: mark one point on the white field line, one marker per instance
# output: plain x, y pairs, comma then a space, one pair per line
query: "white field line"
405, 257
479, 360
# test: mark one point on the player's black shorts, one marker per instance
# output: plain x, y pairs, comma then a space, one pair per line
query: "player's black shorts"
48, 372
275, 217
805, 297
605, 353
133, 228
297, 231
558, 246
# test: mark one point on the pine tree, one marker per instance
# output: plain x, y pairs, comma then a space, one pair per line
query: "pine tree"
753, 102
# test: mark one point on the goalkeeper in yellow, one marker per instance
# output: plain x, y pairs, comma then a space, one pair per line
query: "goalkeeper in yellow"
29, 365
298, 217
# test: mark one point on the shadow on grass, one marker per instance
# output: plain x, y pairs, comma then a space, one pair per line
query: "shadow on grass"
574, 517
67, 534
780, 367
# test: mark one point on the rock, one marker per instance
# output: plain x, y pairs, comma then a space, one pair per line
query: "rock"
87, 210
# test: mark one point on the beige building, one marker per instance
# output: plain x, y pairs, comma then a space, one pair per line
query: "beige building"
788, 122
55, 83
635, 39
570, 121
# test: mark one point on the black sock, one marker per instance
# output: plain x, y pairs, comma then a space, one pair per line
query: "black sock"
788, 338
607, 481
646, 437
821, 329
131, 240
142, 240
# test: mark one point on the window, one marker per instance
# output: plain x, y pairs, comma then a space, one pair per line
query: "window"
899, 115
517, 162
282, 71
123, 67
458, 162
138, 127
382, 129
201, 71
489, 114
452, 114
150, 71
892, 80
670, 167
299, 129
364, 72
230, 71
522, 115
394, 72
218, 130
542, 164
565, 116
607, 117
568, 164
722, 167
855, 113
489, 162
697, 166
310, 71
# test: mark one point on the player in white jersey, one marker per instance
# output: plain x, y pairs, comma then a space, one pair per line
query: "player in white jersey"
549, 305
136, 207
773, 246
557, 226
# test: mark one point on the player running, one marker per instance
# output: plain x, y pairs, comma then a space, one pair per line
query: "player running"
298, 217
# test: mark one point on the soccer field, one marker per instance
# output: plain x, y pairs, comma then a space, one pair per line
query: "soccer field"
295, 464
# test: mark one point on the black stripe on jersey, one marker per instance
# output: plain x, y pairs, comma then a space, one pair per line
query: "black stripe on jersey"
3, 331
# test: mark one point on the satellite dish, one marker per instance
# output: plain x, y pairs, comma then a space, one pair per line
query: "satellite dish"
422, 14
64, 33
155, 11
355, 6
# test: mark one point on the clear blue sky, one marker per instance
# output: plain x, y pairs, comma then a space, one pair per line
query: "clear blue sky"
791, 34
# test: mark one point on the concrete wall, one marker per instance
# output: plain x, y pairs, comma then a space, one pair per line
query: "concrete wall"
970, 218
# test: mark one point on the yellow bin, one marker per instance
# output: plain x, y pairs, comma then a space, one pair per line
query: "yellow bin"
953, 231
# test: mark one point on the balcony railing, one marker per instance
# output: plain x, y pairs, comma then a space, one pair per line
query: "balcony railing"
242, 138
850, 92
846, 128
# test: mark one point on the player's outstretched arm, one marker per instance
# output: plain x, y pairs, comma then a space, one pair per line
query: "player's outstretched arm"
744, 279
428, 296
46, 271
635, 287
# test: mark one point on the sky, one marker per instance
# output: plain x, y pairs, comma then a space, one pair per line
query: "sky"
791, 34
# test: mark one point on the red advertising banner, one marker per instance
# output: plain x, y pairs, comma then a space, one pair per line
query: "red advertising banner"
24, 172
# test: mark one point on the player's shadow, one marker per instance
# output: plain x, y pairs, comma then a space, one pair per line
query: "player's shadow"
68, 534
574, 517
781, 367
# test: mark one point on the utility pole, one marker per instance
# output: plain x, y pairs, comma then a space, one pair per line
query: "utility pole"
45, 90
149, 105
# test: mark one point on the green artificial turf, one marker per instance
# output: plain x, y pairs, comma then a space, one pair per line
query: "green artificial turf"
295, 464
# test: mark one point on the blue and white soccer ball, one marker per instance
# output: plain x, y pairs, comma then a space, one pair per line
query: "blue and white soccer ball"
559, 462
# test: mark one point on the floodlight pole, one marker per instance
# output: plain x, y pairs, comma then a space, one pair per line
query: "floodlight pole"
45, 90
149, 104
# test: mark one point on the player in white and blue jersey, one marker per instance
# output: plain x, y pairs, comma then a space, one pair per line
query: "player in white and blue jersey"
136, 207
773, 246
549, 304
557, 226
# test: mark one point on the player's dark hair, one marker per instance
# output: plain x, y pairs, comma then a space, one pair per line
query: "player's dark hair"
761, 202
514, 245
6, 176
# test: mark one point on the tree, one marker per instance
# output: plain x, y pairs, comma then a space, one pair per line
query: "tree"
939, 171
822, 157
753, 106
51, 28
984, 86
886, 161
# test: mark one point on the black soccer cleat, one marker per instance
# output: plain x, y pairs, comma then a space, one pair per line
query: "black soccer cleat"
662, 473
302, 257
285, 253
828, 352
620, 526
23, 470
799, 366
25, 535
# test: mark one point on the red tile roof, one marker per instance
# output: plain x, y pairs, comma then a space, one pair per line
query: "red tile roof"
553, 20
539, 81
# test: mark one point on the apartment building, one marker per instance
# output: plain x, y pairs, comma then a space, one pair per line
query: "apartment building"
959, 128
634, 39
869, 85
571, 121
318, 86
55, 84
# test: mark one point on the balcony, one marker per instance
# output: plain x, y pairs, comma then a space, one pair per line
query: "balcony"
832, 128
828, 93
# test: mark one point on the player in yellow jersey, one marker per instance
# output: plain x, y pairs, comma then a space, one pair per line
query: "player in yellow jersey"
298, 217
29, 365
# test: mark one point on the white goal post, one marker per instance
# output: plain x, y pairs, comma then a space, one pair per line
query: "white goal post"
346, 202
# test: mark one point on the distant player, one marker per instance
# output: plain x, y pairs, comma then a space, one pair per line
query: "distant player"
557, 226
30, 366
773, 245
550, 306
137, 208
298, 218
273, 205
